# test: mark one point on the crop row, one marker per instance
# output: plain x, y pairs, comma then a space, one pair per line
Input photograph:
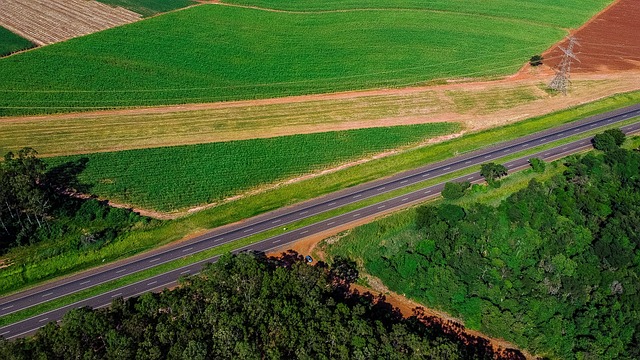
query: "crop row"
216, 53
50, 21
171, 178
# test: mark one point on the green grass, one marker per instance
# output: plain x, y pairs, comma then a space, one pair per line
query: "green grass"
31, 267
217, 53
10, 42
177, 177
150, 7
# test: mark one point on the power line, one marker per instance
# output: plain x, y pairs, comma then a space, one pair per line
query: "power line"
561, 81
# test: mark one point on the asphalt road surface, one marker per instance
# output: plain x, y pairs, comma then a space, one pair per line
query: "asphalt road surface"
282, 217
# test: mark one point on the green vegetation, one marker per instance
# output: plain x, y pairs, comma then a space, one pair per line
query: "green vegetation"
150, 7
177, 177
491, 172
222, 53
570, 13
552, 267
35, 210
252, 307
33, 264
538, 165
10, 42
454, 190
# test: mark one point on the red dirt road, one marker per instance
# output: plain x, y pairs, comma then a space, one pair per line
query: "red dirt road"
608, 42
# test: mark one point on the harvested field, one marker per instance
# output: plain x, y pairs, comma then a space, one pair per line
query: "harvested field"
609, 42
475, 105
50, 21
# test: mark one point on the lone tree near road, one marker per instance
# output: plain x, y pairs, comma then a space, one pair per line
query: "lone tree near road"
536, 60
492, 171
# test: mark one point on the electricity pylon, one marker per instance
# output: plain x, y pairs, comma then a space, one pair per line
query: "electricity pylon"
561, 81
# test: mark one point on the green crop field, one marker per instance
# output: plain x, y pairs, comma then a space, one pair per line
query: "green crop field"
176, 177
10, 42
150, 7
217, 53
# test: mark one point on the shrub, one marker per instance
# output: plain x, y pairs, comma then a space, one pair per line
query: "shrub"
453, 190
537, 165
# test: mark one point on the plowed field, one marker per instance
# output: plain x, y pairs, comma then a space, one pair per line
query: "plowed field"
609, 42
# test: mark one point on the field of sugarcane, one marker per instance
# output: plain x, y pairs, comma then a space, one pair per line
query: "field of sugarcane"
171, 178
217, 52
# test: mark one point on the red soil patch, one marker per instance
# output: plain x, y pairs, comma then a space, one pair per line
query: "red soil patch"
608, 42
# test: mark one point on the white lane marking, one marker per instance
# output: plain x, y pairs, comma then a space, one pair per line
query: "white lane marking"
41, 320
382, 188
246, 231
185, 272
121, 270
542, 140
428, 191
505, 150
116, 295
218, 239
425, 175
558, 135
85, 282
403, 181
357, 196
7, 307
592, 125
5, 333
382, 206
151, 283
487, 156
356, 215
331, 223
510, 165
470, 177
333, 203
154, 260
277, 241
447, 168
185, 250
565, 148
582, 142
546, 154
405, 199
525, 145
304, 232
276, 221
47, 294
304, 212
467, 162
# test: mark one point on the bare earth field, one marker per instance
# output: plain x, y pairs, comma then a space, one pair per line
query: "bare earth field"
608, 42
50, 21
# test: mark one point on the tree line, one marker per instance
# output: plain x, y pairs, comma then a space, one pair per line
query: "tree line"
248, 306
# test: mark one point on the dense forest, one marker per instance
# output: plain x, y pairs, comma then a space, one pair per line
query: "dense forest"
36, 205
553, 268
249, 306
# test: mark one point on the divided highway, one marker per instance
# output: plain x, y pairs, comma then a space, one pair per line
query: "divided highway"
282, 217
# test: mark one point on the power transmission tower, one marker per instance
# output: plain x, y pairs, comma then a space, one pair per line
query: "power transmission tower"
561, 81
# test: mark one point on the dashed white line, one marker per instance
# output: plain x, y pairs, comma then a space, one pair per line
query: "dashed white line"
277, 241
487, 156
357, 196
85, 282
405, 199
506, 150
304, 212
356, 215
425, 175
428, 191
121, 270
154, 260
5, 333
151, 283
333, 203
470, 177
246, 231
116, 295
218, 239
447, 168
404, 181
331, 223
47, 294
565, 148
41, 320
185, 272
276, 221
467, 162
185, 250
304, 232
382, 206
525, 145
382, 188
542, 140
7, 307
546, 154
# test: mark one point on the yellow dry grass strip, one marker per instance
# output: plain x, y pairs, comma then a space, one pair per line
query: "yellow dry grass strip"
474, 105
